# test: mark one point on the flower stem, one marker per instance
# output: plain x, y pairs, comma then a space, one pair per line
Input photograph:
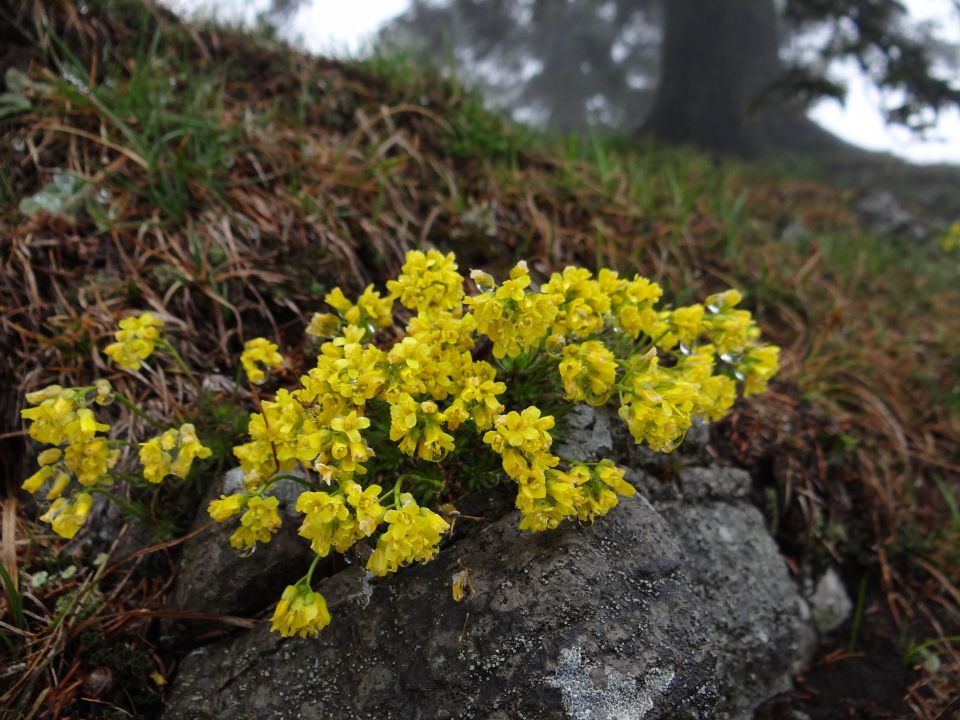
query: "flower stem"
396, 491
313, 566
135, 409
286, 476
165, 344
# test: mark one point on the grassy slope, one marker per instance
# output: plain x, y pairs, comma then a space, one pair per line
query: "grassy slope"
230, 182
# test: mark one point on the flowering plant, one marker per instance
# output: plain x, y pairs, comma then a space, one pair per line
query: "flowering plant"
435, 377
80, 460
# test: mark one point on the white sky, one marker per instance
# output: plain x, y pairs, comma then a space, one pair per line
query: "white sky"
345, 26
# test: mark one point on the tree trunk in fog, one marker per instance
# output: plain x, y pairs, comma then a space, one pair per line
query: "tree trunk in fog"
717, 57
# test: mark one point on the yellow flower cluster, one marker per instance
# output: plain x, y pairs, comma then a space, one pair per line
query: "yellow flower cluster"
515, 320
419, 428
548, 495
63, 419
257, 355
412, 535
588, 371
135, 340
60, 415
258, 523
428, 281
171, 453
602, 337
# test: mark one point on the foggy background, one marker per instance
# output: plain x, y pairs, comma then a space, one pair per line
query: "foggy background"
612, 60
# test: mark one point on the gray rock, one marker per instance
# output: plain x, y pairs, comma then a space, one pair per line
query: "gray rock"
756, 615
685, 613
713, 483
695, 484
588, 434
830, 603
213, 577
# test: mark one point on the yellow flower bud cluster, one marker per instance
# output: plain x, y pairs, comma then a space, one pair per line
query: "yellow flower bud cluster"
300, 612
423, 383
171, 453
135, 340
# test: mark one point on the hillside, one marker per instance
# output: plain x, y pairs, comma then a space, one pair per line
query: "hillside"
229, 182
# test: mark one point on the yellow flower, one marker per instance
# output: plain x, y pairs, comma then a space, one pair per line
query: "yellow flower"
478, 398
951, 241
687, 323
717, 395
659, 404
412, 535
60, 482
525, 430
344, 444
409, 362
258, 354
300, 611
581, 302
189, 448
36, 481
596, 501
632, 302
347, 369
366, 504
49, 456
135, 340
68, 516
555, 498
227, 506
258, 524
